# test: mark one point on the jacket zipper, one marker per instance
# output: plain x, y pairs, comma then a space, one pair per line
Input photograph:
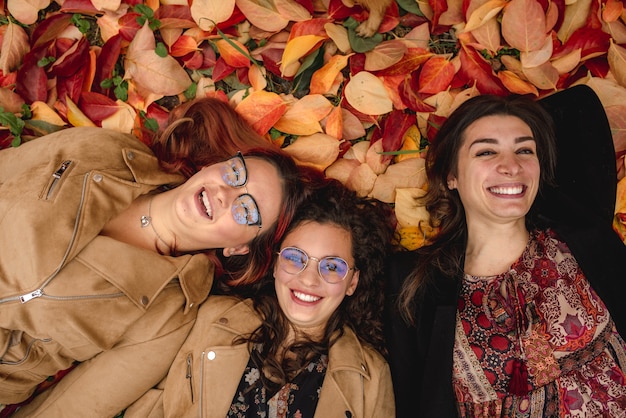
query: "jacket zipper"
189, 375
27, 354
56, 177
200, 411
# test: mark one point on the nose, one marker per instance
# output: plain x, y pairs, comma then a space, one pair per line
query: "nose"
508, 165
310, 275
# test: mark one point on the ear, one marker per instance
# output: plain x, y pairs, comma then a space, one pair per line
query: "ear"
452, 182
353, 283
238, 250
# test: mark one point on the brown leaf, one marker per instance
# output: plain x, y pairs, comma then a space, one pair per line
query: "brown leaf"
14, 46
384, 55
524, 25
10, 101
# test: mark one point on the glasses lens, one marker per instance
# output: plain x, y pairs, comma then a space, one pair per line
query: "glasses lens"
245, 210
333, 269
234, 171
293, 260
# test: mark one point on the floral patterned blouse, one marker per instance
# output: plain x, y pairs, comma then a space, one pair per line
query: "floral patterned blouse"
297, 399
537, 341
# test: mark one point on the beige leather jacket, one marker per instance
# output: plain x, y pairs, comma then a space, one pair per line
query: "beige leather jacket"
206, 372
68, 294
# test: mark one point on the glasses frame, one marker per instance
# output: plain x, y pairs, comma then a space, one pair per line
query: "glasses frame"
239, 156
308, 258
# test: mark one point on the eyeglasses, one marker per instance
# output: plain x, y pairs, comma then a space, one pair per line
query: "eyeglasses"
293, 260
235, 174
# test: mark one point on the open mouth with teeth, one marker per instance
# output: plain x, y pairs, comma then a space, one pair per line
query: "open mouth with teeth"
203, 198
304, 297
508, 190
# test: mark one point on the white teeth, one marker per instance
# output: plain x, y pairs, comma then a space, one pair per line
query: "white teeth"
306, 298
205, 201
507, 190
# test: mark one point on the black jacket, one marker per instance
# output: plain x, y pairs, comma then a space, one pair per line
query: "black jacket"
580, 209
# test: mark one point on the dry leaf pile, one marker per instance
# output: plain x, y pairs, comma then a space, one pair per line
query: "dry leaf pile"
361, 108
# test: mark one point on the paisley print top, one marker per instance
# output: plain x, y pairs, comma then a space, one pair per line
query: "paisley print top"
537, 341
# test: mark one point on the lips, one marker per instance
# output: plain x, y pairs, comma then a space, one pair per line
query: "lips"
508, 190
304, 297
203, 198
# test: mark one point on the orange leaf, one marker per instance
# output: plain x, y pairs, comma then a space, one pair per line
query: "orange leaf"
384, 55
612, 11
367, 94
299, 47
303, 117
265, 18
410, 61
183, 46
515, 84
262, 109
436, 75
333, 125
318, 150
323, 79
231, 55
524, 25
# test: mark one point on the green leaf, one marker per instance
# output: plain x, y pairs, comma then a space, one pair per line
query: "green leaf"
358, 43
410, 6
161, 50
15, 125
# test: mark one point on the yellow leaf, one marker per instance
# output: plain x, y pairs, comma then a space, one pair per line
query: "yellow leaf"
411, 142
75, 116
303, 117
297, 48
318, 150
208, 13
367, 94
41, 111
323, 79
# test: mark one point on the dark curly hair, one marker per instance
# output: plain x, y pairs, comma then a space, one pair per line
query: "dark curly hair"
369, 224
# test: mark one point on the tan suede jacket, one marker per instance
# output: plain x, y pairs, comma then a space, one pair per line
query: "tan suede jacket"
206, 372
68, 294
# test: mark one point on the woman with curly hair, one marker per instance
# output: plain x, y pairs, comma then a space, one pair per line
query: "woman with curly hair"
307, 341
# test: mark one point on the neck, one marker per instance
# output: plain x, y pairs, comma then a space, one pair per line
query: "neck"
493, 250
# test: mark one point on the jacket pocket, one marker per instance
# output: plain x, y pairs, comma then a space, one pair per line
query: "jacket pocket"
58, 176
21, 348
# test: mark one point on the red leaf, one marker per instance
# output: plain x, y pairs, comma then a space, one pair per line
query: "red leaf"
435, 75
591, 41
208, 56
72, 62
79, 6
438, 6
409, 95
475, 69
194, 61
71, 86
221, 69
433, 125
49, 29
31, 80
97, 106
394, 128
129, 26
339, 11
109, 54
357, 63
412, 59
307, 4
236, 18
174, 16
313, 26
271, 60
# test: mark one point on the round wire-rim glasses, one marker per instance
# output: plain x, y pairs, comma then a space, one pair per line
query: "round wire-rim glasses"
294, 260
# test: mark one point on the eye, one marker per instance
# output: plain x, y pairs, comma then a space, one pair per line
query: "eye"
484, 153
528, 151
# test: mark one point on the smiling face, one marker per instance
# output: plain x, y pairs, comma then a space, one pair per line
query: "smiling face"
305, 298
211, 213
498, 170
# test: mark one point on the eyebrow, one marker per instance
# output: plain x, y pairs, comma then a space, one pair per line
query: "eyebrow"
518, 140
